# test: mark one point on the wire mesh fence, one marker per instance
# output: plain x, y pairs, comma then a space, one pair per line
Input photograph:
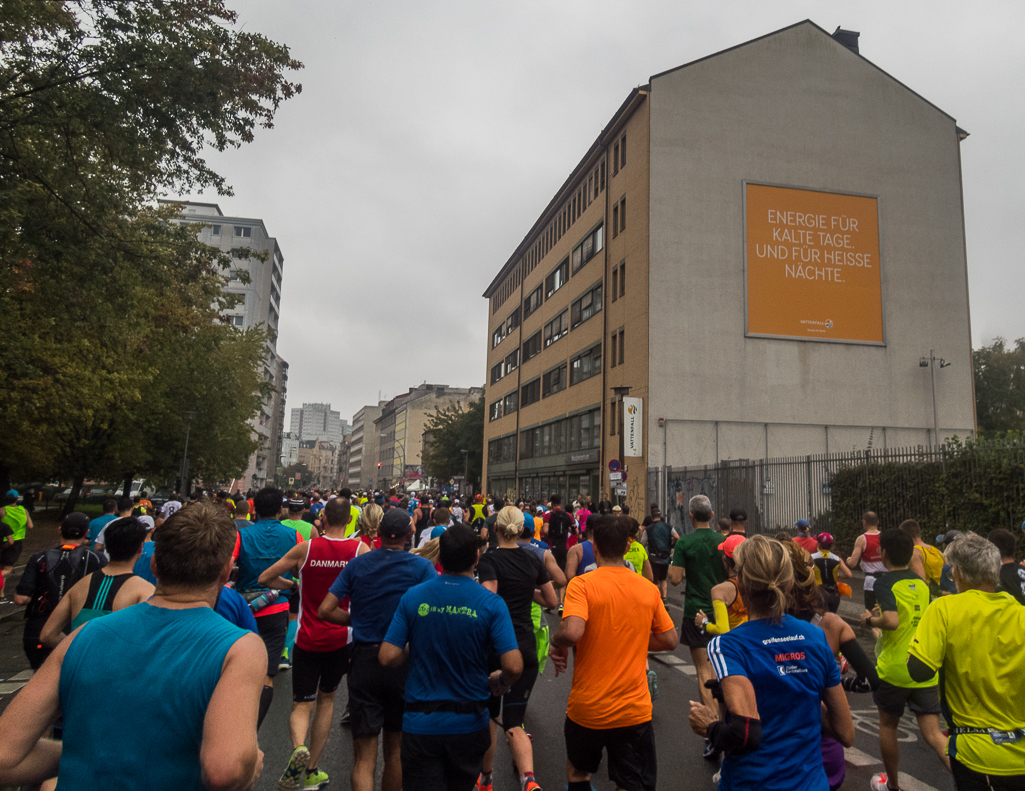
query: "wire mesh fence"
969, 487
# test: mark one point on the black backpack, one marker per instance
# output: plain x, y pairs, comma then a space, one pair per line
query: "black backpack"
659, 537
63, 568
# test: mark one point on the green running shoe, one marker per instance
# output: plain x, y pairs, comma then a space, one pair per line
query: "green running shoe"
316, 780
292, 779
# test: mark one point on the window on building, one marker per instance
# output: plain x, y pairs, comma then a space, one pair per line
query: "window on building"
503, 449
556, 328
495, 410
612, 351
510, 402
622, 213
530, 393
615, 158
234, 275
602, 167
615, 220
615, 284
512, 362
512, 322
234, 320
215, 230
588, 248
243, 232
498, 336
557, 279
585, 365
532, 302
622, 342
596, 190
622, 278
612, 417
588, 305
532, 346
498, 371
553, 381
622, 151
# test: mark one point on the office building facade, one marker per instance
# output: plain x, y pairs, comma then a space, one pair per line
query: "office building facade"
364, 444
750, 261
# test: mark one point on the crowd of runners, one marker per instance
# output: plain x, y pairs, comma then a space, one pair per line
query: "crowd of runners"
159, 636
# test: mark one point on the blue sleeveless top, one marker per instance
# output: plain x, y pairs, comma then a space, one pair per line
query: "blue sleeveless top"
134, 689
587, 562
262, 545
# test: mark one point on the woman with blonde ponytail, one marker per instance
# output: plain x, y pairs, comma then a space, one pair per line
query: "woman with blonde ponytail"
775, 671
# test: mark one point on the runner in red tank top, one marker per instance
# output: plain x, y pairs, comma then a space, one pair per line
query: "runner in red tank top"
321, 654
866, 551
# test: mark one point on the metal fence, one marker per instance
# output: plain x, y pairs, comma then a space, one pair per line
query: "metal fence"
971, 487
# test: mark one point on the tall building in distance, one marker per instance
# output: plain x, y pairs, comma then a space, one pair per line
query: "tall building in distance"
260, 303
749, 262
400, 430
363, 447
317, 421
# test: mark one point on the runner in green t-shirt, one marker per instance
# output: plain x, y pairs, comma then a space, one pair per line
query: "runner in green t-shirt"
17, 518
296, 508
697, 558
901, 599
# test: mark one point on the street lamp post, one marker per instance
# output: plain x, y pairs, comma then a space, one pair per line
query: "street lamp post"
930, 362
184, 470
466, 470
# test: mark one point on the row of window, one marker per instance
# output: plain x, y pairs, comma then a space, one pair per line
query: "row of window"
617, 341
582, 367
589, 304
619, 155
503, 449
619, 217
506, 328
579, 432
240, 231
586, 193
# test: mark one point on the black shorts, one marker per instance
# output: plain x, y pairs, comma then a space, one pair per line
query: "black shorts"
9, 555
273, 628
659, 571
966, 779
631, 752
443, 762
559, 553
870, 600
691, 636
921, 700
36, 652
293, 603
375, 692
513, 704
311, 667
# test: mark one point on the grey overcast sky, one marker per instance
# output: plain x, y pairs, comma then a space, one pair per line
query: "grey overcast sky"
430, 134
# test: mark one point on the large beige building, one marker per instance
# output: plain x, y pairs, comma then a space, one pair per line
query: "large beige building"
762, 245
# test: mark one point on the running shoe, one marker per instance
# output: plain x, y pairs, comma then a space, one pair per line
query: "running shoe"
481, 787
710, 753
844, 666
653, 685
316, 780
560, 609
292, 779
346, 719
881, 783
531, 786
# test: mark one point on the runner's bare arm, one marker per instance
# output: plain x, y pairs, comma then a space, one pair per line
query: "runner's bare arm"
273, 577
25, 757
554, 572
664, 641
363, 549
676, 575
330, 611
739, 694
646, 571
391, 655
916, 564
573, 558
845, 573
491, 585
230, 758
836, 717
859, 547
64, 613
571, 629
545, 596
512, 669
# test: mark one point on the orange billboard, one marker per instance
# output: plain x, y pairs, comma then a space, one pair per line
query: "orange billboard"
812, 265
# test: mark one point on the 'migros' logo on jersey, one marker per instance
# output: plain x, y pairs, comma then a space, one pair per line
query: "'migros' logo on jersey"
786, 669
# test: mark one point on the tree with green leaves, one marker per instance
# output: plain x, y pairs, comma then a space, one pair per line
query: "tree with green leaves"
453, 429
105, 106
1000, 387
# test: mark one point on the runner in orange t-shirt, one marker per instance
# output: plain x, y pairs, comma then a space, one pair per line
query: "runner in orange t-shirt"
613, 617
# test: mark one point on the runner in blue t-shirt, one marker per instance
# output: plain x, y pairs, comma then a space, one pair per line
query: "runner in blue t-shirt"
452, 626
370, 587
774, 672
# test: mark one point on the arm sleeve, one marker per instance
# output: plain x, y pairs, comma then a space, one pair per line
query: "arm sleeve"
576, 599
726, 661
930, 640
398, 632
721, 620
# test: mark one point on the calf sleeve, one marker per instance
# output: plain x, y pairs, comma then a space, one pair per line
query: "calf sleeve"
867, 679
293, 628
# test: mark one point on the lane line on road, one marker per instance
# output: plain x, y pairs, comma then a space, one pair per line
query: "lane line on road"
911, 784
856, 757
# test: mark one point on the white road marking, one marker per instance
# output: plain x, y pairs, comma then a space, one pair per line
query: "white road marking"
856, 757
8, 688
24, 675
911, 784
